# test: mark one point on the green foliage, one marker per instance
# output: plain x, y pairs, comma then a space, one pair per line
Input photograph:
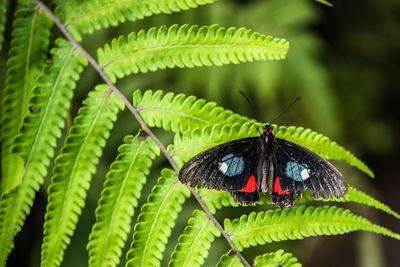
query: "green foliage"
275, 259
214, 199
120, 195
194, 243
73, 170
356, 196
36, 101
184, 46
230, 260
34, 146
86, 16
156, 220
180, 112
296, 223
26, 57
3, 8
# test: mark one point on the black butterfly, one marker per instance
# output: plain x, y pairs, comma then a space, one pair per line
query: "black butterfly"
242, 166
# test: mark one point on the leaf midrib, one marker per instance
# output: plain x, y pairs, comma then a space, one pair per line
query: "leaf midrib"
194, 46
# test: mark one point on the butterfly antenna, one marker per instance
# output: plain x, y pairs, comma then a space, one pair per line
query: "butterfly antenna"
286, 109
253, 107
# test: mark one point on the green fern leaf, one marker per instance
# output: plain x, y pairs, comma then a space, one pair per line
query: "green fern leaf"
73, 170
194, 243
296, 223
230, 260
275, 259
188, 144
27, 55
3, 8
35, 145
86, 16
180, 113
184, 46
120, 196
356, 196
156, 220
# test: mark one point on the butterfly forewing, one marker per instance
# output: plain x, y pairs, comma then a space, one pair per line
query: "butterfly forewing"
231, 166
296, 169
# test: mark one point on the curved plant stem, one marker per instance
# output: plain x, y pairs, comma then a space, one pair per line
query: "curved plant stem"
140, 120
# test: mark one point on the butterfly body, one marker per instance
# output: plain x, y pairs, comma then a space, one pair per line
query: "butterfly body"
243, 166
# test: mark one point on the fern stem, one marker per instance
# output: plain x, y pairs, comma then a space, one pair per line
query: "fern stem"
140, 120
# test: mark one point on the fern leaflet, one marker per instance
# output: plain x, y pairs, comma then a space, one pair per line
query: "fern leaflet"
35, 145
215, 199
277, 258
184, 46
27, 55
180, 113
194, 243
296, 223
357, 196
230, 260
120, 195
272, 259
73, 170
156, 220
86, 16
3, 8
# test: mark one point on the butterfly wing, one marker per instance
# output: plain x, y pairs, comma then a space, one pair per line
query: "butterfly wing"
296, 169
231, 166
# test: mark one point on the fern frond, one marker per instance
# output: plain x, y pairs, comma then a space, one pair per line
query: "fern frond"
321, 145
156, 220
184, 46
119, 197
194, 243
27, 55
35, 145
3, 7
277, 258
188, 144
73, 170
180, 112
230, 260
86, 16
356, 196
297, 223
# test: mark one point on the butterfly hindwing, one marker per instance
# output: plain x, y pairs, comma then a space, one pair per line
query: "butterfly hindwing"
296, 169
231, 166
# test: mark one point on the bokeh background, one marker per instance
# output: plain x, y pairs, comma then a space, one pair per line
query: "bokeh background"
344, 61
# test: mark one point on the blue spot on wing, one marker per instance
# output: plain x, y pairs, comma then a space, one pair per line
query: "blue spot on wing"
293, 170
235, 164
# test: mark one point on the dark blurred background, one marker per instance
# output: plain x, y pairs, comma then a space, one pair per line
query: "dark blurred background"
343, 61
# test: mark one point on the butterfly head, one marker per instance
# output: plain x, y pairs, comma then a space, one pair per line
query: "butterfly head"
268, 128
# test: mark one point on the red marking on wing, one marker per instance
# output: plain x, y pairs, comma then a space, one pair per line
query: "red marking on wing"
278, 189
251, 185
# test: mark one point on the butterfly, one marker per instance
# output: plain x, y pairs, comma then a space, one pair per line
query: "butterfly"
242, 167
